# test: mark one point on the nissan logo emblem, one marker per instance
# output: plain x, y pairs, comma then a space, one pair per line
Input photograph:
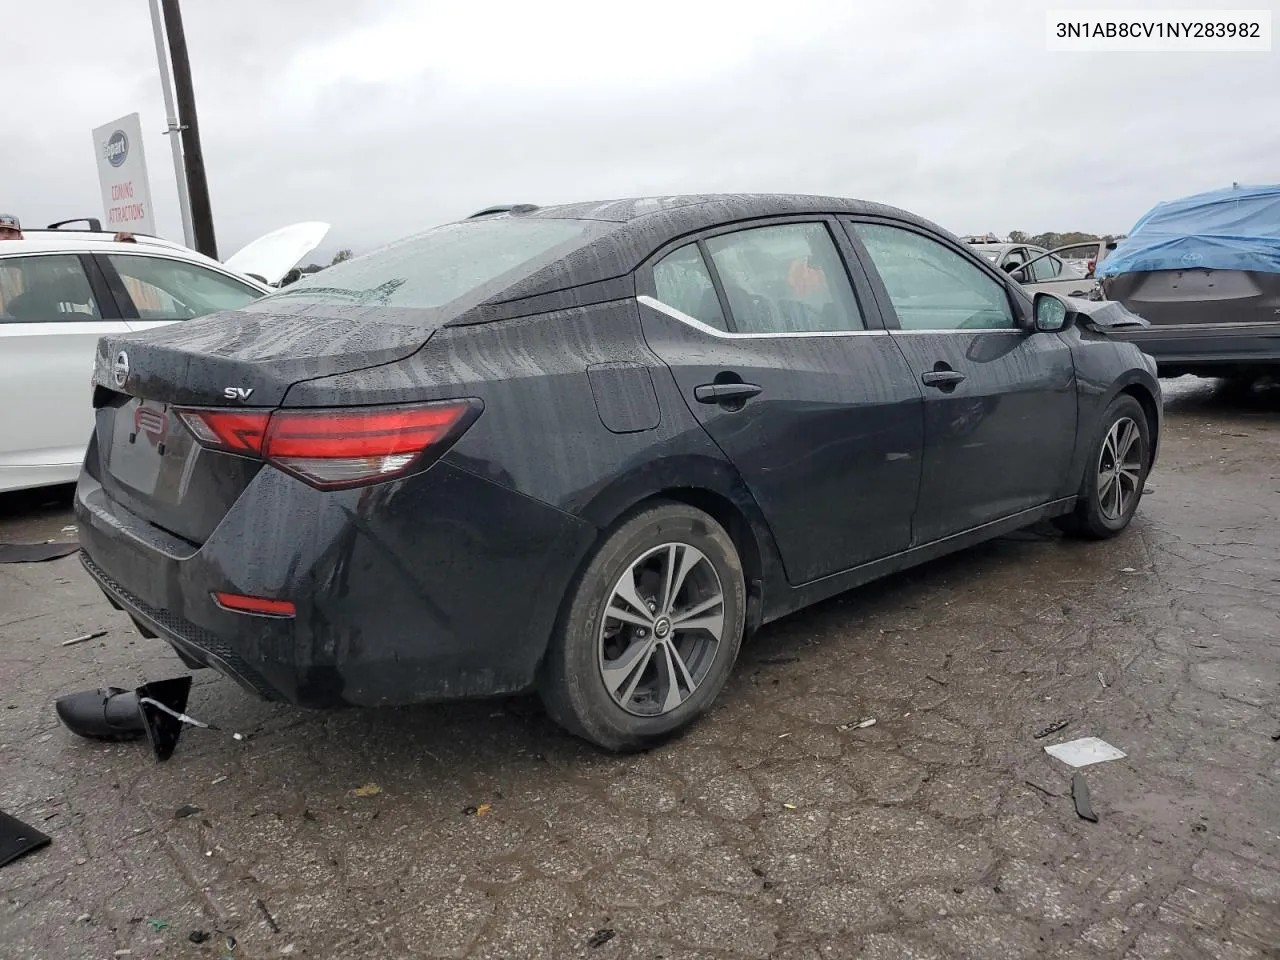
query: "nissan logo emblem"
120, 369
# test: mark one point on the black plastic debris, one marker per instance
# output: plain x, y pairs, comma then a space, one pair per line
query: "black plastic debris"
17, 839
37, 552
184, 811
154, 710
108, 713
1080, 794
266, 915
1052, 728
601, 937
198, 936
162, 703
1035, 786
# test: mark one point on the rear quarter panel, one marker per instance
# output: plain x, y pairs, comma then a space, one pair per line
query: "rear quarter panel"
578, 414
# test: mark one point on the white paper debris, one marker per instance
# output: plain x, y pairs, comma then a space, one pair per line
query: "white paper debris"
859, 725
1085, 751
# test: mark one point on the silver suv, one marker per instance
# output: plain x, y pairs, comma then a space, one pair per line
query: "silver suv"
1066, 271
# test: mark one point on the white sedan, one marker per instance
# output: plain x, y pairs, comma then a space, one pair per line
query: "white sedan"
60, 290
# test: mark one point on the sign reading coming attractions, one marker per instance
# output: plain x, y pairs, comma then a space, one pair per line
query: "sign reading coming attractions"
122, 171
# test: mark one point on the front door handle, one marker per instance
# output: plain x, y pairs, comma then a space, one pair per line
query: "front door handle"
941, 378
726, 392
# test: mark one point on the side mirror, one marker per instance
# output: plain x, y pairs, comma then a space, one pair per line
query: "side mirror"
1051, 313
1019, 274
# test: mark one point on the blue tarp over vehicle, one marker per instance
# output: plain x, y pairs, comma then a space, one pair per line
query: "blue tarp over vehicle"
1233, 229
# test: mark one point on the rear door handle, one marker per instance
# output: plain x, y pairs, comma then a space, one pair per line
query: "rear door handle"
726, 392
941, 378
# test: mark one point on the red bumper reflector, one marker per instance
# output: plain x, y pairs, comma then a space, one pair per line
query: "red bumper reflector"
259, 605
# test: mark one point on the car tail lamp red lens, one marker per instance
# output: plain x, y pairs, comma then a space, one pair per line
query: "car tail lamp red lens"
263, 606
352, 446
336, 448
235, 431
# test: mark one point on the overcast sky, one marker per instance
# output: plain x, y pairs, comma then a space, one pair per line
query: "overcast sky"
384, 117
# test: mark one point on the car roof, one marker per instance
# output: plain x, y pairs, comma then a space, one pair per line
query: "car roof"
694, 211
82, 241
641, 225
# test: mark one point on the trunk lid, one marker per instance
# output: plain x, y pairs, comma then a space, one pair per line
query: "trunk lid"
213, 360
147, 459
1198, 296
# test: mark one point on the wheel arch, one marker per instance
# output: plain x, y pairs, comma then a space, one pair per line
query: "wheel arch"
1146, 397
707, 484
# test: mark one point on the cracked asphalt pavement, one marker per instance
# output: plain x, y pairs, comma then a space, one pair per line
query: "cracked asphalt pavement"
778, 828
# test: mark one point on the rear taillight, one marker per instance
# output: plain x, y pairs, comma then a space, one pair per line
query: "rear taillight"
235, 431
335, 448
353, 446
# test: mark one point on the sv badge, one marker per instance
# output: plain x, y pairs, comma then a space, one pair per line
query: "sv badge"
237, 393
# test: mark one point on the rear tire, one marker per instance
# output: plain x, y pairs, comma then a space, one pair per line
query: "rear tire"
650, 631
1115, 474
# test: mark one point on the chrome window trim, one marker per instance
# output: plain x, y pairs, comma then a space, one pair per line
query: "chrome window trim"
965, 330
655, 304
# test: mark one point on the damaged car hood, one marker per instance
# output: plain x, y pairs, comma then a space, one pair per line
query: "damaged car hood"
273, 255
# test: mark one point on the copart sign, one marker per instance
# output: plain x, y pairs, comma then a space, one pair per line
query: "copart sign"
122, 171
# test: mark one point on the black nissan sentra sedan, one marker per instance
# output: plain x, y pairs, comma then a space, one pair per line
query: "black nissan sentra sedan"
585, 449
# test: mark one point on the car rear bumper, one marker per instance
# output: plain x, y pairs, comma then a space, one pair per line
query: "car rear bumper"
1207, 344
439, 586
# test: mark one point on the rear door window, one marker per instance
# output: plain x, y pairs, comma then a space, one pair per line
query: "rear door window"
787, 278
1047, 267
45, 289
174, 290
681, 280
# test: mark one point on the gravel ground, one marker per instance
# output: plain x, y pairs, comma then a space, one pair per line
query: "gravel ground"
775, 829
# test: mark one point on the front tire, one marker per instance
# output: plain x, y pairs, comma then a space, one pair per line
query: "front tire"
650, 631
1116, 473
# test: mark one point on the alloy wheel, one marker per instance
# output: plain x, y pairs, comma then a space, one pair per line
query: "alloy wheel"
661, 628
1120, 469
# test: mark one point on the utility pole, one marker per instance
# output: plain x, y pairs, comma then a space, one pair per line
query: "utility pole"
197, 186
172, 127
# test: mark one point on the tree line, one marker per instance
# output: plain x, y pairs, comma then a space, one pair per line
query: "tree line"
1050, 240
343, 254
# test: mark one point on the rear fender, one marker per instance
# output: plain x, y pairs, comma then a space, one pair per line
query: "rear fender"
705, 481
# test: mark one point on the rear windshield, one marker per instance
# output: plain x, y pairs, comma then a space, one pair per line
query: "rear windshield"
443, 265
